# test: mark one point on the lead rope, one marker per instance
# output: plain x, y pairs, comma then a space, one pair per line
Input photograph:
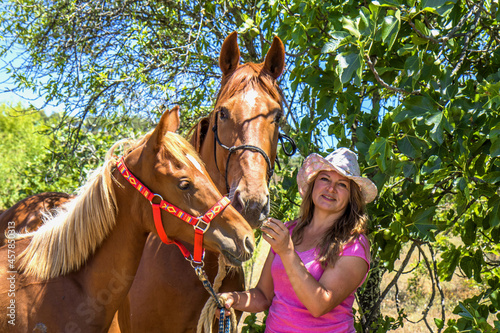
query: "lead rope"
205, 323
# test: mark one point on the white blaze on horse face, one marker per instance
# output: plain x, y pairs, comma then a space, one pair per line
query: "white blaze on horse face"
195, 163
250, 98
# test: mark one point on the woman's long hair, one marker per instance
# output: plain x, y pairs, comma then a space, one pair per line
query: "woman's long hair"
346, 229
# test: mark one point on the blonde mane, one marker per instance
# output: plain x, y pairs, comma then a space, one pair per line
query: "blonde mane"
66, 240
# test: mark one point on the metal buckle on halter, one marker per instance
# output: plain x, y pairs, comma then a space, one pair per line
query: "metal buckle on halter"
156, 196
195, 264
204, 228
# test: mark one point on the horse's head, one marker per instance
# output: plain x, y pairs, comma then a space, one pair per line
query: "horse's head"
169, 166
244, 128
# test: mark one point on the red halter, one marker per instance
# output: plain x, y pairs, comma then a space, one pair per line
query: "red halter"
200, 224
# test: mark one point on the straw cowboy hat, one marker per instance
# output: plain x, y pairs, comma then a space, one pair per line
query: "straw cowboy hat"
343, 161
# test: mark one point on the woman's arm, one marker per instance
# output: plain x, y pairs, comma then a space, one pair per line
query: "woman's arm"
336, 283
257, 299
334, 286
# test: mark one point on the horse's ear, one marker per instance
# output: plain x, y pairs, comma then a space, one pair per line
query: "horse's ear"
199, 133
275, 58
169, 122
229, 57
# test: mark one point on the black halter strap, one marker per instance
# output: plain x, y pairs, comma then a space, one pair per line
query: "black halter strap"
290, 152
270, 169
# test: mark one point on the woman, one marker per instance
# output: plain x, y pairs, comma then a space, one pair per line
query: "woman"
316, 262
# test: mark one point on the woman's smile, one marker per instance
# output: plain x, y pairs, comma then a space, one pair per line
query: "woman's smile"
328, 197
331, 192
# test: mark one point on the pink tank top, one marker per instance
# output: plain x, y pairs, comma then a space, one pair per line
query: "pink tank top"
288, 315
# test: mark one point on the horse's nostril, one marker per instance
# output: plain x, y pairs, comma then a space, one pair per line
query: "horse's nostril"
237, 202
265, 209
249, 245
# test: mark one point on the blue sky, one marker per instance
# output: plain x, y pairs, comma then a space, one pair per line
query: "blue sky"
26, 97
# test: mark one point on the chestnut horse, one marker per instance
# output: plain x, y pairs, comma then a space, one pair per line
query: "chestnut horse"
238, 142
76, 269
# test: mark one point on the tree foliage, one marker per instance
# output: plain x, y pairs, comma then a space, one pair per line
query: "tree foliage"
412, 85
36, 157
21, 141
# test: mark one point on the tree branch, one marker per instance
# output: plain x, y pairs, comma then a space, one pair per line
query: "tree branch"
384, 84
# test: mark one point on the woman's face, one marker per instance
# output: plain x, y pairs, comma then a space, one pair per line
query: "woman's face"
331, 193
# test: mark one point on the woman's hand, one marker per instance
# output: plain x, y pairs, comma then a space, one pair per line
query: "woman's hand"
278, 236
255, 300
228, 299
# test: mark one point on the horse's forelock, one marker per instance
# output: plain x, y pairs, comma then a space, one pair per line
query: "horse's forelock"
249, 76
179, 149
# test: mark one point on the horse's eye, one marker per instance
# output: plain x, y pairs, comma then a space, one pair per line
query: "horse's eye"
223, 113
184, 185
277, 116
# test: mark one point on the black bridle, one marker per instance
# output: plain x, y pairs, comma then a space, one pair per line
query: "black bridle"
270, 169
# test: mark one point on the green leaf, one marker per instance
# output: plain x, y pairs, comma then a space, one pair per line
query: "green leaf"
387, 3
466, 266
347, 66
492, 177
364, 22
495, 141
417, 40
451, 259
469, 233
305, 124
423, 220
412, 65
335, 42
438, 121
494, 213
439, 7
424, 216
389, 29
495, 299
380, 152
350, 26
409, 170
471, 266
411, 146
389, 26
414, 106
439, 323
478, 262
431, 165
465, 312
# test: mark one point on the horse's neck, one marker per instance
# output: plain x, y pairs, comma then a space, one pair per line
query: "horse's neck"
108, 275
206, 151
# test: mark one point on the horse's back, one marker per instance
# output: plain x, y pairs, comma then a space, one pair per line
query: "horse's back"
27, 214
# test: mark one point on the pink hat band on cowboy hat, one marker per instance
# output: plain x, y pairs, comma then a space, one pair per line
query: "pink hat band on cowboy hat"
343, 161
